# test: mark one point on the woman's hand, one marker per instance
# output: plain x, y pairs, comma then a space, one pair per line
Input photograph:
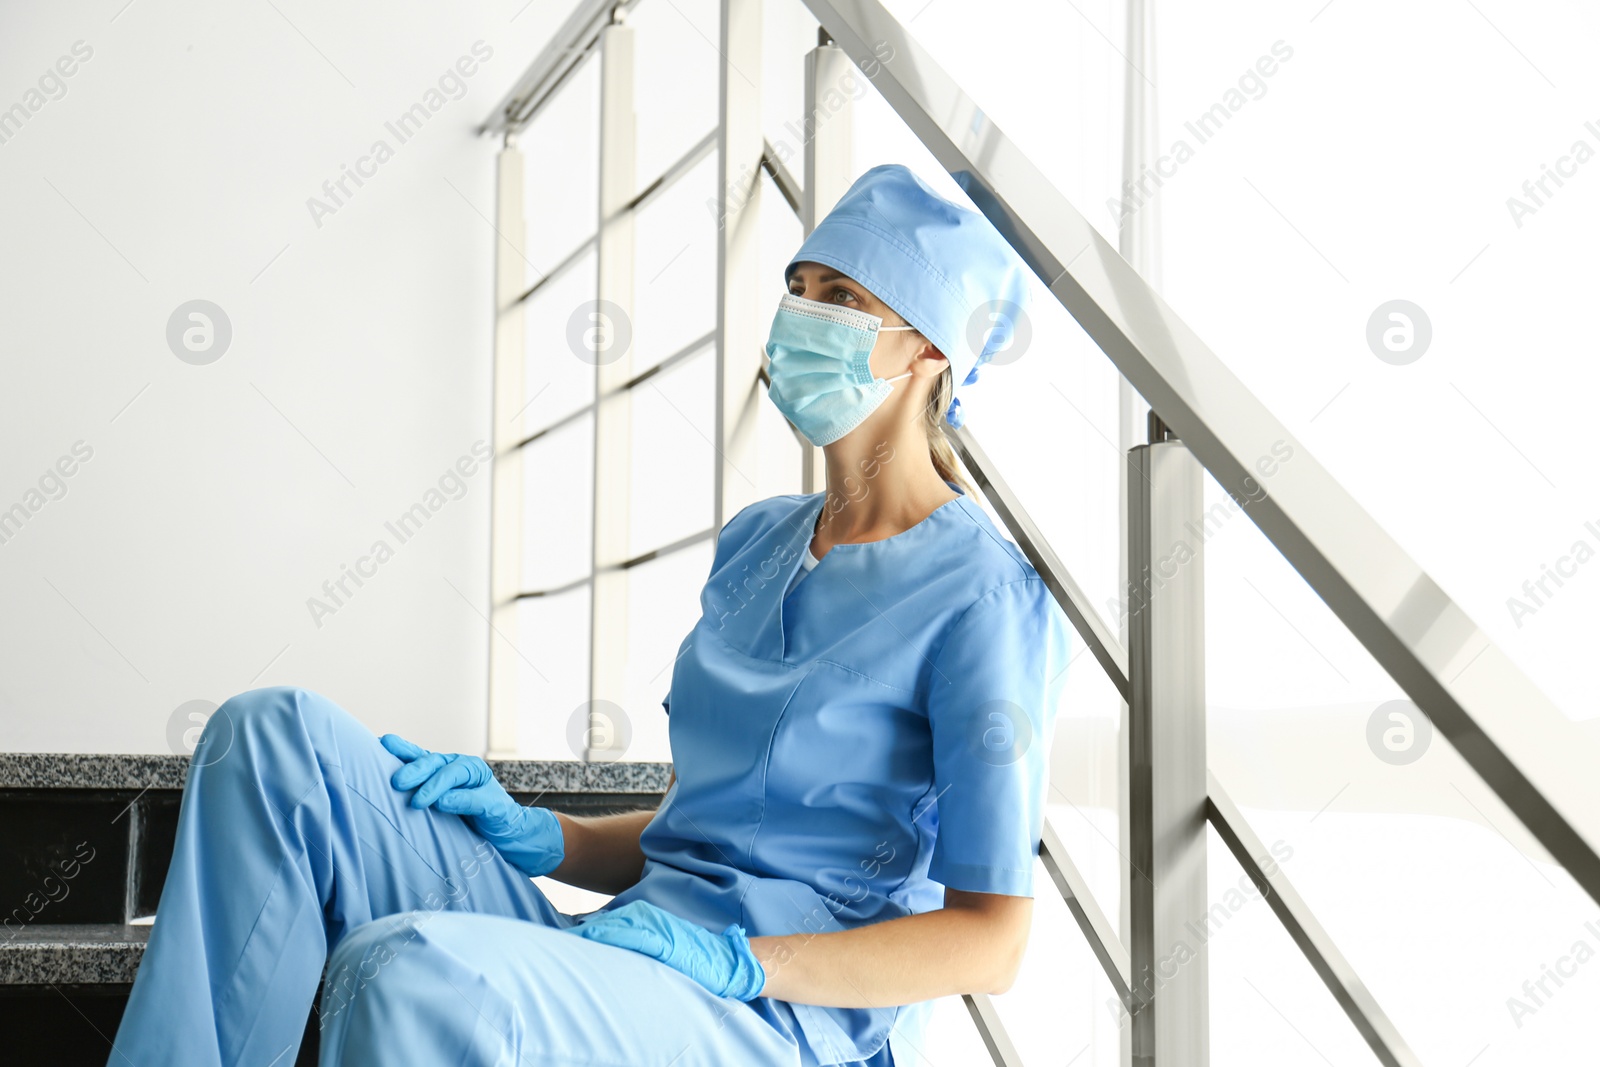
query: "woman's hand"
530, 838
723, 963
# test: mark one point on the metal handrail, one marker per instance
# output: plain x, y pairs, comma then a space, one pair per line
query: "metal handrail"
1097, 929
1381, 1035
554, 65
1104, 644
667, 362
1377, 591
1002, 1050
663, 181
1506, 729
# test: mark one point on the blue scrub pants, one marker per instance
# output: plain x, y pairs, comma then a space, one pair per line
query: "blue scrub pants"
292, 841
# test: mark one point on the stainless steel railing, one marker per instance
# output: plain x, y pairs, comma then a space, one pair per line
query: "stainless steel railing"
1505, 728
1493, 715
1497, 719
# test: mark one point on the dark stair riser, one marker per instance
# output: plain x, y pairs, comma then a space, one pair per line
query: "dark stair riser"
81, 856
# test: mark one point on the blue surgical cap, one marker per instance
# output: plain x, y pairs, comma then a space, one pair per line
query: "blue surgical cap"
942, 267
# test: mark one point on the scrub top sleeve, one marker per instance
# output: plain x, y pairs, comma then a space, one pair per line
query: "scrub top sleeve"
993, 692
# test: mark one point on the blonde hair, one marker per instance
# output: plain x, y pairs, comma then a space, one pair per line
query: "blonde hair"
939, 450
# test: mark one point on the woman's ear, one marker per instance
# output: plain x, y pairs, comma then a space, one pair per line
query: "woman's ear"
929, 352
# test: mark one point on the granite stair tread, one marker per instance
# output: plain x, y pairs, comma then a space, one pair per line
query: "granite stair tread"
74, 770
72, 953
128, 804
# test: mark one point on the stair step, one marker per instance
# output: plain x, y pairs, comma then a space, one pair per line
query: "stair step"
72, 954
74, 770
85, 840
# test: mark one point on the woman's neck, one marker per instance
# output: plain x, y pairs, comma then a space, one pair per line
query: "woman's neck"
876, 492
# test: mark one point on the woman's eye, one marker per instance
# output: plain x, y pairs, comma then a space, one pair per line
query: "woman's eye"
839, 291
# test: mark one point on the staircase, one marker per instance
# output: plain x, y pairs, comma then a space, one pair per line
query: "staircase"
84, 855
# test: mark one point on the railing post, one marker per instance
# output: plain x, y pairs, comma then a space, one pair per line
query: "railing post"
1167, 757
829, 169
742, 291
613, 408
505, 543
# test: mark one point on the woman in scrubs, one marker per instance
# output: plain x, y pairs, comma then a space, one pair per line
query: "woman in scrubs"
859, 724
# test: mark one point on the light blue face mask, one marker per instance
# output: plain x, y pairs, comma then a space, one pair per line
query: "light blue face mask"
820, 370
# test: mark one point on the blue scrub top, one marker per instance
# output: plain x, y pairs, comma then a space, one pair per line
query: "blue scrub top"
845, 752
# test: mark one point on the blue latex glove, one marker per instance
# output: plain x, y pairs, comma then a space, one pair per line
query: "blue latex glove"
530, 838
722, 963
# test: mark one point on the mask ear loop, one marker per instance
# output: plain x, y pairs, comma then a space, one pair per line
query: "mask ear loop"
907, 374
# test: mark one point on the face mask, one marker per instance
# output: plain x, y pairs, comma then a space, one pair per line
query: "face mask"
821, 376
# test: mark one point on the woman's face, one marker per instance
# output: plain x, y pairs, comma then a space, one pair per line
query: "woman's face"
895, 352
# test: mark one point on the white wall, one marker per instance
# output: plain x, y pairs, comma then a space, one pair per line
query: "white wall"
177, 165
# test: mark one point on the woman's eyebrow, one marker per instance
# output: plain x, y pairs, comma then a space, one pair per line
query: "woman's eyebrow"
828, 276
